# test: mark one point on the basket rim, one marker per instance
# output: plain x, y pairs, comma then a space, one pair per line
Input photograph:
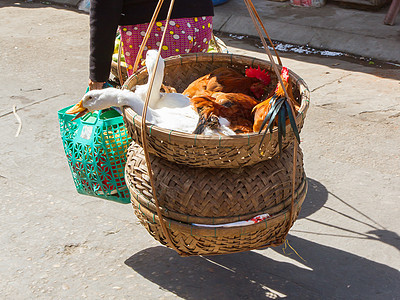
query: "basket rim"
201, 139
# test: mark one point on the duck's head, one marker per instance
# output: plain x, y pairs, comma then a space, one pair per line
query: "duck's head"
95, 100
151, 59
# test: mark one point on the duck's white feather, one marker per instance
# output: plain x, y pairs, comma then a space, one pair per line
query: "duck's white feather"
141, 90
179, 119
173, 100
109, 97
167, 110
157, 99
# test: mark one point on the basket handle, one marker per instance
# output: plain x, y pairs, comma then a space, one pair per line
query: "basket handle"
255, 17
215, 43
148, 31
265, 30
141, 48
95, 121
151, 24
121, 81
143, 124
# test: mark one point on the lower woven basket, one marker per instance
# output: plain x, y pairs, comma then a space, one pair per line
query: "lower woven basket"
193, 198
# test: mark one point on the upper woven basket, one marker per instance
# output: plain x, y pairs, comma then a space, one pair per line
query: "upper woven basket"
212, 151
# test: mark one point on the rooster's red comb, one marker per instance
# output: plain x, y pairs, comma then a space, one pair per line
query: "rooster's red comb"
285, 74
259, 74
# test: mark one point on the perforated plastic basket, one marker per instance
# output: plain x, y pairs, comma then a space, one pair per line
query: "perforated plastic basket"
95, 146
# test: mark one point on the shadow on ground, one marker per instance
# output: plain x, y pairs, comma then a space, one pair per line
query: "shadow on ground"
325, 272
317, 195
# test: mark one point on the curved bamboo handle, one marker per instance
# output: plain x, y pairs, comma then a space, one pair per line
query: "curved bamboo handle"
265, 31
254, 16
121, 81
249, 6
143, 125
215, 42
142, 45
147, 35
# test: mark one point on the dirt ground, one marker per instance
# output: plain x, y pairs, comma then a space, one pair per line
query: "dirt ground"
57, 244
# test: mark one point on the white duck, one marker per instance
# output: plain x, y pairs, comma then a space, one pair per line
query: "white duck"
157, 99
167, 110
180, 118
163, 102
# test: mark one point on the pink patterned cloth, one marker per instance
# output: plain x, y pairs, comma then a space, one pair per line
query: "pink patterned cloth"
186, 35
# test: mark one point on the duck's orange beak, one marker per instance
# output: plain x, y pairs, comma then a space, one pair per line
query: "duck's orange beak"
79, 109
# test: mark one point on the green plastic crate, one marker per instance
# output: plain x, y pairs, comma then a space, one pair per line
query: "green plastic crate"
96, 146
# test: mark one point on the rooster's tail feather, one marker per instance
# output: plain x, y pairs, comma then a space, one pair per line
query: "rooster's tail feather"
211, 122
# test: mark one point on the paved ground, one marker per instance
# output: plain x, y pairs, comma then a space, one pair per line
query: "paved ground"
57, 244
330, 27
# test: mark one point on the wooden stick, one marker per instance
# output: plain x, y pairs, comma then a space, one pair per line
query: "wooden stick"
251, 9
121, 82
216, 44
147, 35
392, 13
18, 119
144, 137
293, 181
278, 74
265, 31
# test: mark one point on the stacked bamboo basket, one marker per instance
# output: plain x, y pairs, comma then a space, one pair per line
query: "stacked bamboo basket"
214, 179
184, 187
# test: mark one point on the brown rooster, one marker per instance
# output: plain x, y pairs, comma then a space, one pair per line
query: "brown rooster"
261, 110
276, 109
228, 80
236, 108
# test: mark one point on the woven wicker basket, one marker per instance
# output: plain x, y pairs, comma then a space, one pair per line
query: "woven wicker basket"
114, 71
216, 196
211, 151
